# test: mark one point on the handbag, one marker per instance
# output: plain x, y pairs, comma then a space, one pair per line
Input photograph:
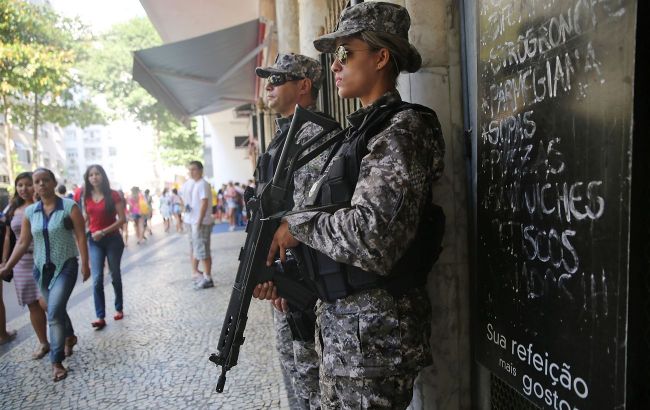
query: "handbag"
8, 276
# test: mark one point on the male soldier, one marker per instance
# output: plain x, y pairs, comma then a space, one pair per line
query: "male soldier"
293, 79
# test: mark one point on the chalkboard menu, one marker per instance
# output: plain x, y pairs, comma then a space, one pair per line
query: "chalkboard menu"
555, 103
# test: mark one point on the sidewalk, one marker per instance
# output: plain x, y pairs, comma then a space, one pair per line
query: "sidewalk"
157, 357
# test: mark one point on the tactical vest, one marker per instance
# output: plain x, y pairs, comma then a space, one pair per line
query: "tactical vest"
268, 161
301, 320
336, 280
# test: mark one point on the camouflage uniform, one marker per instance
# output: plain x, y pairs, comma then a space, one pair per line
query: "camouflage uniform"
298, 358
372, 345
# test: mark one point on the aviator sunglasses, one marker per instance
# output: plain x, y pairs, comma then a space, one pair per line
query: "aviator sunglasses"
341, 53
279, 79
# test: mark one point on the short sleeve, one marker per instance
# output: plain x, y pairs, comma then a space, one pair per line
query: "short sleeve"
29, 211
68, 204
204, 190
116, 197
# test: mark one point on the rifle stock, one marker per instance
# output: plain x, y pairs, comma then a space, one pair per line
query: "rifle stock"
252, 270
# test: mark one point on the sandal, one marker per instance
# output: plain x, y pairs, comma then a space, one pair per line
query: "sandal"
70, 342
41, 352
11, 335
98, 324
59, 372
119, 316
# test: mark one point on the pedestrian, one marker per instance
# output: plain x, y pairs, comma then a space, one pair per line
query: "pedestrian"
374, 253
6, 336
104, 211
239, 200
221, 201
177, 209
165, 207
124, 229
135, 214
56, 226
230, 196
148, 212
200, 220
185, 195
61, 191
23, 273
292, 79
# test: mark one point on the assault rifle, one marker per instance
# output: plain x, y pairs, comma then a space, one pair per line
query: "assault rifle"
267, 210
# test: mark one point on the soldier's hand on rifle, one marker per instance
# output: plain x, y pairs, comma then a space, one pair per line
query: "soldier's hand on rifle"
265, 291
282, 240
280, 304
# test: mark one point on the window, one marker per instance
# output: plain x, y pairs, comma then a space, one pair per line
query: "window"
92, 154
241, 141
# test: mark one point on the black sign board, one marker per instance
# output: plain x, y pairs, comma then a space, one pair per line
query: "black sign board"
555, 101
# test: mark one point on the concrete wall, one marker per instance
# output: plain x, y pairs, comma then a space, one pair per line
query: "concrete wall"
230, 163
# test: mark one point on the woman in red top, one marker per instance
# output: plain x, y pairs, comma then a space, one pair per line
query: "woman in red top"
104, 211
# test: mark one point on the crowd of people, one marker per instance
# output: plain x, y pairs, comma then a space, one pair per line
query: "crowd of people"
48, 234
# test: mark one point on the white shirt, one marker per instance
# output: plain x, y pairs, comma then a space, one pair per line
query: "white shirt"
200, 190
186, 195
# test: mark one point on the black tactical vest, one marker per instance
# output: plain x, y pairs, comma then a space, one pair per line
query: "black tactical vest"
336, 280
268, 161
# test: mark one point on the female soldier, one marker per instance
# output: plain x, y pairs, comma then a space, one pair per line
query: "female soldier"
370, 258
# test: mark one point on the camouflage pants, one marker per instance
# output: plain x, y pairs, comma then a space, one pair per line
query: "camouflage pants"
300, 361
390, 392
371, 347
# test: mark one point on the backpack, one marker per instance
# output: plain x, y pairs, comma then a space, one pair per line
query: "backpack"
143, 205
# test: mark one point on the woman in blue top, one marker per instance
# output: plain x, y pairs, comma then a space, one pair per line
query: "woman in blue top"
57, 228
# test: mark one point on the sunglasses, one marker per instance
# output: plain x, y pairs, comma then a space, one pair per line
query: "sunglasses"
279, 79
341, 54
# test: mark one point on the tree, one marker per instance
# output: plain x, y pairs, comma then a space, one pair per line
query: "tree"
108, 71
38, 50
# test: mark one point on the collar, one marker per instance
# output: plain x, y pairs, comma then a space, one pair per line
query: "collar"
57, 207
283, 123
389, 98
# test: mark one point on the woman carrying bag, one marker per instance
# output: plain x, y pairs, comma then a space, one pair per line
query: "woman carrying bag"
57, 228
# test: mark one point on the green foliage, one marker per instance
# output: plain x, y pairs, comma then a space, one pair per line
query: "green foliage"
108, 72
179, 144
38, 50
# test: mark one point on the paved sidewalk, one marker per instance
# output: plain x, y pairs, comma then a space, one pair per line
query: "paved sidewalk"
157, 357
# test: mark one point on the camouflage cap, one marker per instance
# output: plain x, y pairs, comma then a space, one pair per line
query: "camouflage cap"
375, 16
294, 64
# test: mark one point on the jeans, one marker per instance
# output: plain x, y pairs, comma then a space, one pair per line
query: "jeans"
57, 300
108, 248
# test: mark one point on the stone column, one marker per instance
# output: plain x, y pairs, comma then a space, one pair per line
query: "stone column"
286, 12
312, 24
